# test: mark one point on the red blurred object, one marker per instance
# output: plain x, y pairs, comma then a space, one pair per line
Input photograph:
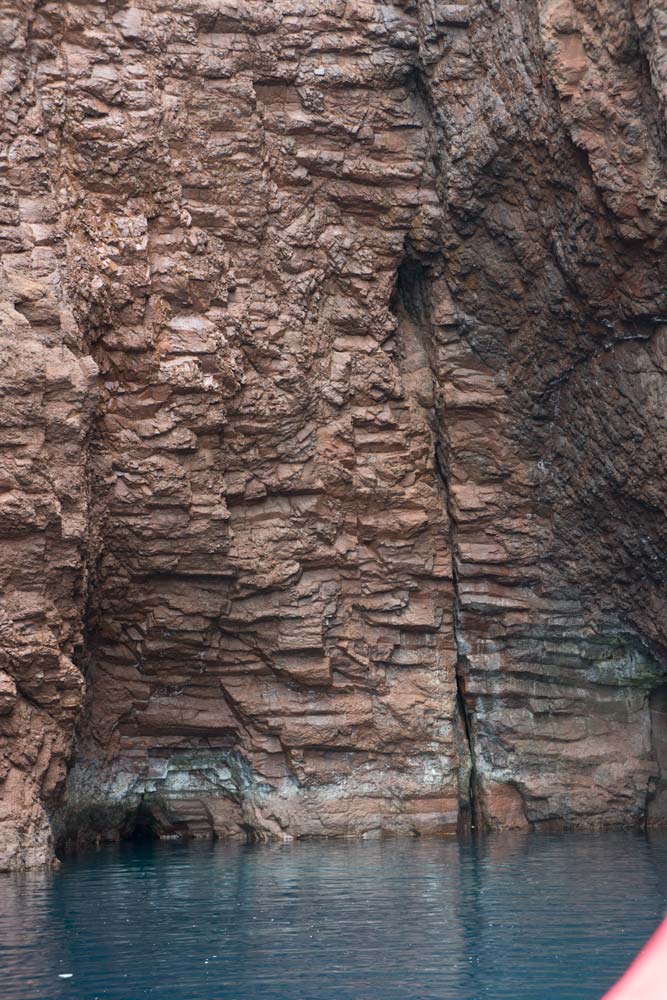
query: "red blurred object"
646, 979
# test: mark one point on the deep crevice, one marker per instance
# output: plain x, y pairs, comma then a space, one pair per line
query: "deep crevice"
474, 820
411, 297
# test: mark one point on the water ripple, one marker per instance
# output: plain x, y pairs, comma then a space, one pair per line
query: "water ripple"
509, 918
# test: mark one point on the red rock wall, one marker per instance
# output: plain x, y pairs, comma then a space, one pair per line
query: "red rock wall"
335, 394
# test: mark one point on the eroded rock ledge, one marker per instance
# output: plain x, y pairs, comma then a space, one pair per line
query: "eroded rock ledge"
333, 417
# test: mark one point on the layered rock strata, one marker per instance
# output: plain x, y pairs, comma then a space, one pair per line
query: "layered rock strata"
334, 435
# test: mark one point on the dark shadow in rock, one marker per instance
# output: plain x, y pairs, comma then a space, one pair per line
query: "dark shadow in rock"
656, 803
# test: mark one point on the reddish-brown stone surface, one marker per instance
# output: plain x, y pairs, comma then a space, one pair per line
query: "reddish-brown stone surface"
333, 415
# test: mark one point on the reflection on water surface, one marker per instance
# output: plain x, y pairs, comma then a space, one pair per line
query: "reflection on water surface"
512, 918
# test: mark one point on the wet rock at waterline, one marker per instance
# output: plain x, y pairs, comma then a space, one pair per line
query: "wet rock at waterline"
333, 389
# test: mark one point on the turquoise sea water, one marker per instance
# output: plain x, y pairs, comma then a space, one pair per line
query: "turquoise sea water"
507, 917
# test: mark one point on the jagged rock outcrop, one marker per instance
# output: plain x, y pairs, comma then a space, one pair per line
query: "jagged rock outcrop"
334, 436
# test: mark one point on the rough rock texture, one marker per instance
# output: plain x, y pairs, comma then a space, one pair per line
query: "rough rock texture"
333, 415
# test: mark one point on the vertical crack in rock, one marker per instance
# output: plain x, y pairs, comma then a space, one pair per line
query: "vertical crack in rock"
414, 310
423, 259
473, 819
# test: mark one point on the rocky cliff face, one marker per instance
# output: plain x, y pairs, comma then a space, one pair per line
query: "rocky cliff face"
333, 432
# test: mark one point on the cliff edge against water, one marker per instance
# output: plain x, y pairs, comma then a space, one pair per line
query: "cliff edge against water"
334, 417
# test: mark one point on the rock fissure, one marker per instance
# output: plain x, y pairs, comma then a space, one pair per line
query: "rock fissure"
472, 806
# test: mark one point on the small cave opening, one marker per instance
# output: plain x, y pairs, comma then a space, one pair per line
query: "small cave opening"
141, 825
410, 290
